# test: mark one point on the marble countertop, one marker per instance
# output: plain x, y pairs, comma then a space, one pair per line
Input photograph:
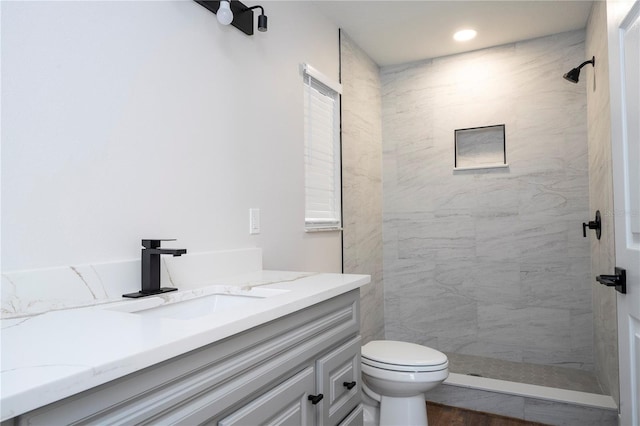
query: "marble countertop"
51, 356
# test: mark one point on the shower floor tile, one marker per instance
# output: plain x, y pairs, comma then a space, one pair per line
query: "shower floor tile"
533, 374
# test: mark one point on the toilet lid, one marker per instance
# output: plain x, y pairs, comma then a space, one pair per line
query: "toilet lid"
395, 355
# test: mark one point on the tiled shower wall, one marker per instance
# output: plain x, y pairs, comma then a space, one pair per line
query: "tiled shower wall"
362, 180
489, 262
601, 198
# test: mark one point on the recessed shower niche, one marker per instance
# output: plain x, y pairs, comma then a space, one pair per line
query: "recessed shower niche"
480, 148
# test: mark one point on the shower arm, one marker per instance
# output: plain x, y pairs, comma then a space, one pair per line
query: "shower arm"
591, 61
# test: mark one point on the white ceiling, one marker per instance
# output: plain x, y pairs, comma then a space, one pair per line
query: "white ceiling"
395, 32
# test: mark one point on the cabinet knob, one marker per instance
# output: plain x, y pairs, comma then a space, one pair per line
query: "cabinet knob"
315, 398
349, 385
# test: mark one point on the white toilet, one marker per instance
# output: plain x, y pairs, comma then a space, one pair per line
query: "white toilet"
396, 375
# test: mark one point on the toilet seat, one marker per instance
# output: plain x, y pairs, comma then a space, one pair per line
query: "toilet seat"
403, 357
405, 368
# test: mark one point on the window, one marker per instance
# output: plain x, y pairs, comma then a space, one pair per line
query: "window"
321, 151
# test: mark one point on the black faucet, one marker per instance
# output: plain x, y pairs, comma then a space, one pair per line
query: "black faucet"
151, 268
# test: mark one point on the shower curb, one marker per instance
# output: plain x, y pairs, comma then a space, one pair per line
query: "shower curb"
528, 402
593, 400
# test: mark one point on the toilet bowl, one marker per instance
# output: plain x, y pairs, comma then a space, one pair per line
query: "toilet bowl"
396, 375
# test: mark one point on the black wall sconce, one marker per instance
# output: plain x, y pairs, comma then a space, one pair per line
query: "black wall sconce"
574, 74
235, 13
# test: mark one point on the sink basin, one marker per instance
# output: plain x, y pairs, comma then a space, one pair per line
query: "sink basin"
201, 306
196, 307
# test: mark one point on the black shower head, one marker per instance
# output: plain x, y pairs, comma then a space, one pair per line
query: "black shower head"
574, 74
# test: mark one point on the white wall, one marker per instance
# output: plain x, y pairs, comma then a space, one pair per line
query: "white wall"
131, 120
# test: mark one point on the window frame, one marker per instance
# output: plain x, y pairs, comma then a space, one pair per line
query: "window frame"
329, 178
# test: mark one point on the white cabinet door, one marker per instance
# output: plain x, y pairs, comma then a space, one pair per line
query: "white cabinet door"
338, 374
287, 404
624, 62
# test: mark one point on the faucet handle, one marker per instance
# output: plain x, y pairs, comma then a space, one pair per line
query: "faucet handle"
151, 244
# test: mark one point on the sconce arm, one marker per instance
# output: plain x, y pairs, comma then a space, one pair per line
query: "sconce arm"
256, 7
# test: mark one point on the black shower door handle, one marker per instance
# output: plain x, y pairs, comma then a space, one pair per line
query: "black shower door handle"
619, 280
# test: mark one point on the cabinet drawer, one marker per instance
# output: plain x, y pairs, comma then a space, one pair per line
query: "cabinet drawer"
286, 404
338, 375
355, 418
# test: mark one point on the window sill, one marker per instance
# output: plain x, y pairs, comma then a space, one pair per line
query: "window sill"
327, 229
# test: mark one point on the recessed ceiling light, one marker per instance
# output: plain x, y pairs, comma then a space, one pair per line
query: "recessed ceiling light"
464, 35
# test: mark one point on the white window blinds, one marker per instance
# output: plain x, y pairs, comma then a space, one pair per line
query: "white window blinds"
322, 151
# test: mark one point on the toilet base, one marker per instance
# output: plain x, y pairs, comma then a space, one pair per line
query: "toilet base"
371, 408
371, 415
403, 411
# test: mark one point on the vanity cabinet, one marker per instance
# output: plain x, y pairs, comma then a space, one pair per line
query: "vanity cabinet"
286, 404
338, 375
270, 374
326, 390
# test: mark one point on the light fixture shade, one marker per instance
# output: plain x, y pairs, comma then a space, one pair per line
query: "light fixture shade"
262, 23
224, 14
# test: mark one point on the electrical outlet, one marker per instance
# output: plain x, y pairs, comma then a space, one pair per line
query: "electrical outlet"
254, 221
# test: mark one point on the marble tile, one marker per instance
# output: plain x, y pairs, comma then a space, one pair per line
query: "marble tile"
520, 372
441, 238
506, 352
541, 241
447, 313
575, 358
499, 248
496, 194
554, 196
601, 198
578, 246
405, 275
502, 324
497, 239
555, 285
459, 276
473, 399
497, 282
546, 330
533, 329
371, 314
362, 157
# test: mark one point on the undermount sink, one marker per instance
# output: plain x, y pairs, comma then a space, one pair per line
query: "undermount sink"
196, 307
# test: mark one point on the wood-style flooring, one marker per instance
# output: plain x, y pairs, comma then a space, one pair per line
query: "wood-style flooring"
444, 415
